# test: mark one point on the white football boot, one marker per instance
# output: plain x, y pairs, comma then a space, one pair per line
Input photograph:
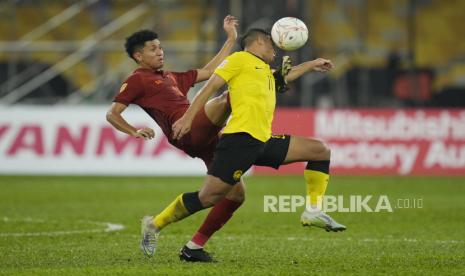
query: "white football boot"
149, 236
320, 219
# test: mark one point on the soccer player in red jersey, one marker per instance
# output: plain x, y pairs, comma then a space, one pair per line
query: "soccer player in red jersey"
162, 94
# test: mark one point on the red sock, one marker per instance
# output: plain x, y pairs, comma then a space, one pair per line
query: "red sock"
217, 217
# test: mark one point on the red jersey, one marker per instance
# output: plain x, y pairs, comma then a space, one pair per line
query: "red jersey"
162, 94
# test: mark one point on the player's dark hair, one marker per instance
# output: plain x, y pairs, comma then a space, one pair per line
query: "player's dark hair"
251, 35
137, 40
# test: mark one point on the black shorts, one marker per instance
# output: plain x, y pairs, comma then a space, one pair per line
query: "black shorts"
236, 153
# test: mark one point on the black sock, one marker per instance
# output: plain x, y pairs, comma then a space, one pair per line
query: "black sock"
320, 166
192, 202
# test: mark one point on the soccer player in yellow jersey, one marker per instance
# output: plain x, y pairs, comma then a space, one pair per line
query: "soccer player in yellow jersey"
247, 139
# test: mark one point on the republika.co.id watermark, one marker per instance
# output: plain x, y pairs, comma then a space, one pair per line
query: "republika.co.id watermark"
344, 204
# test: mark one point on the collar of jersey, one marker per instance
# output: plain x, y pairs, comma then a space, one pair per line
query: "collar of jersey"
255, 56
160, 72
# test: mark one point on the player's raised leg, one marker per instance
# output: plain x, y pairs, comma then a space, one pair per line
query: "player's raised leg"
218, 109
316, 177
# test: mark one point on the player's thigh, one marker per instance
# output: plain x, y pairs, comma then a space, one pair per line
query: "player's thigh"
306, 149
213, 190
218, 109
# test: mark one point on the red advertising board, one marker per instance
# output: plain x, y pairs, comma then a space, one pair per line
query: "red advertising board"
381, 141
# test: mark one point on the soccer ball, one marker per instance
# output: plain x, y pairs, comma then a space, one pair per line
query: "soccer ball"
289, 33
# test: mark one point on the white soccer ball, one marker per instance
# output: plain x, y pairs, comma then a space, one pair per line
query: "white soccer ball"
289, 33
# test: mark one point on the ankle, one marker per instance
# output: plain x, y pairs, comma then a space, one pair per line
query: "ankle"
312, 209
193, 245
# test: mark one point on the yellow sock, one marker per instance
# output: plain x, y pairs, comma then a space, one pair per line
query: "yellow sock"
174, 212
316, 185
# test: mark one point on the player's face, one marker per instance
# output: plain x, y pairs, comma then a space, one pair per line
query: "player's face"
269, 52
151, 56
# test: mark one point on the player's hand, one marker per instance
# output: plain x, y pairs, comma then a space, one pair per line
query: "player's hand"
146, 133
322, 65
286, 66
280, 75
181, 127
229, 24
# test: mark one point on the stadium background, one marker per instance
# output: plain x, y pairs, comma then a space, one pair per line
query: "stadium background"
392, 111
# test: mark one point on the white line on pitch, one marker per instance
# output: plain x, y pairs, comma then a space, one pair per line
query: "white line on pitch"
108, 227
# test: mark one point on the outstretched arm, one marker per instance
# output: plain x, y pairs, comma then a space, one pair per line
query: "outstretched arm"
183, 125
229, 25
318, 65
114, 117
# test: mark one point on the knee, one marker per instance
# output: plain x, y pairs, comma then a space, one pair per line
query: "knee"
208, 199
240, 198
223, 98
324, 152
237, 196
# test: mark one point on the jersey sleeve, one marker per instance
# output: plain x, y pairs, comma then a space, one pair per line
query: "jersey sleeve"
185, 80
230, 67
131, 90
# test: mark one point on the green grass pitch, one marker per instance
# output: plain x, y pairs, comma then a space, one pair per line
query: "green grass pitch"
51, 225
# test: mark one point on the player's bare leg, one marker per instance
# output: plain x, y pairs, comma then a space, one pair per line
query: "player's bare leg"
316, 175
305, 149
237, 193
218, 109
213, 190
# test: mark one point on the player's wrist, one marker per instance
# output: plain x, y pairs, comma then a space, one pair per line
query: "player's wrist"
311, 65
188, 119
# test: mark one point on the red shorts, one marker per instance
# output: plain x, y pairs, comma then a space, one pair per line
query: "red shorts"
201, 140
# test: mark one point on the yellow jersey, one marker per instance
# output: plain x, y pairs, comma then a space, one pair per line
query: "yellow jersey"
252, 94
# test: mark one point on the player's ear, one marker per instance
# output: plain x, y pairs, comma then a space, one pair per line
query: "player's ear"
137, 56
